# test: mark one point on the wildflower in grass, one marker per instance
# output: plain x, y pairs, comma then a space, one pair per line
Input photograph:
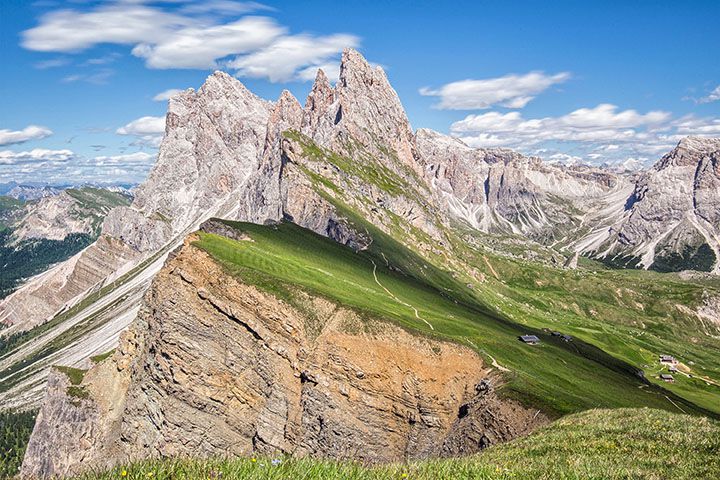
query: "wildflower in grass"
276, 462
150, 474
404, 475
123, 473
253, 460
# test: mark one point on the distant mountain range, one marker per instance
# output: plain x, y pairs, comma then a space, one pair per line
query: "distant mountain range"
42, 226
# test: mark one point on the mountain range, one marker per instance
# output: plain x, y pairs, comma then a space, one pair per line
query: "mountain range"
324, 280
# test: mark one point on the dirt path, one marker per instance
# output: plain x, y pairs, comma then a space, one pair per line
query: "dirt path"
494, 362
417, 315
678, 406
491, 268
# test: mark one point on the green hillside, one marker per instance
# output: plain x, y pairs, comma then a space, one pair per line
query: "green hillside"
593, 445
389, 282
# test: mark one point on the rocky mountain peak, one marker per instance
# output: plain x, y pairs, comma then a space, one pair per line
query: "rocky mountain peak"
689, 152
318, 101
220, 81
355, 70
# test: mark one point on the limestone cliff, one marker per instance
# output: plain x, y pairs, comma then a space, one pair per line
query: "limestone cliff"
214, 366
671, 220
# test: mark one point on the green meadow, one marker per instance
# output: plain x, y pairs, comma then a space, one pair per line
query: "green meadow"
392, 283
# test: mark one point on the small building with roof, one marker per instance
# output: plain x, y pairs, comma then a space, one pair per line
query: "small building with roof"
530, 339
669, 359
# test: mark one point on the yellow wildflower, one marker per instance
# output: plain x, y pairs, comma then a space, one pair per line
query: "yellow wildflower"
123, 473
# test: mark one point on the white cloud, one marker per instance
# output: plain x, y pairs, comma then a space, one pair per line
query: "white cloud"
71, 30
8, 157
137, 158
601, 123
225, 7
144, 126
52, 63
201, 46
149, 131
165, 95
195, 36
279, 61
99, 77
713, 96
602, 134
692, 125
511, 91
31, 132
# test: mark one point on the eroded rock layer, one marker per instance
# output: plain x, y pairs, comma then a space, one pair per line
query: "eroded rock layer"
215, 366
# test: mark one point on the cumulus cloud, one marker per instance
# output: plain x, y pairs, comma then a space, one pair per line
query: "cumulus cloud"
165, 95
713, 96
8, 157
61, 166
601, 134
280, 60
144, 126
31, 132
511, 91
197, 35
200, 47
601, 123
148, 131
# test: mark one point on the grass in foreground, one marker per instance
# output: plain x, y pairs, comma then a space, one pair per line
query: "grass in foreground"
597, 444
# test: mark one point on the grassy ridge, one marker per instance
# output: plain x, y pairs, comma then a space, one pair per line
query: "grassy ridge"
560, 378
593, 445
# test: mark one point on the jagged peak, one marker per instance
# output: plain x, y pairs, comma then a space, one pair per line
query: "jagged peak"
320, 92
355, 71
287, 111
688, 152
699, 143
287, 98
321, 78
222, 82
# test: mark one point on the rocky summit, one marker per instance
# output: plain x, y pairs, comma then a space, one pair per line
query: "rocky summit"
321, 280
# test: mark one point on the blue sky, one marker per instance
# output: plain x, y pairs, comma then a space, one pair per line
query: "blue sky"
616, 82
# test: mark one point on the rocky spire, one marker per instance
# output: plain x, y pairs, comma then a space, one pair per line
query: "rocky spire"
318, 102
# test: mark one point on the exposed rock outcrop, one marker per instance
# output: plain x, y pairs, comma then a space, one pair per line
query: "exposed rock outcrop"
215, 366
497, 190
671, 221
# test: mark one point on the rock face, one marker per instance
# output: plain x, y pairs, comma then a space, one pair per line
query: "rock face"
212, 365
497, 190
214, 140
66, 212
672, 219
